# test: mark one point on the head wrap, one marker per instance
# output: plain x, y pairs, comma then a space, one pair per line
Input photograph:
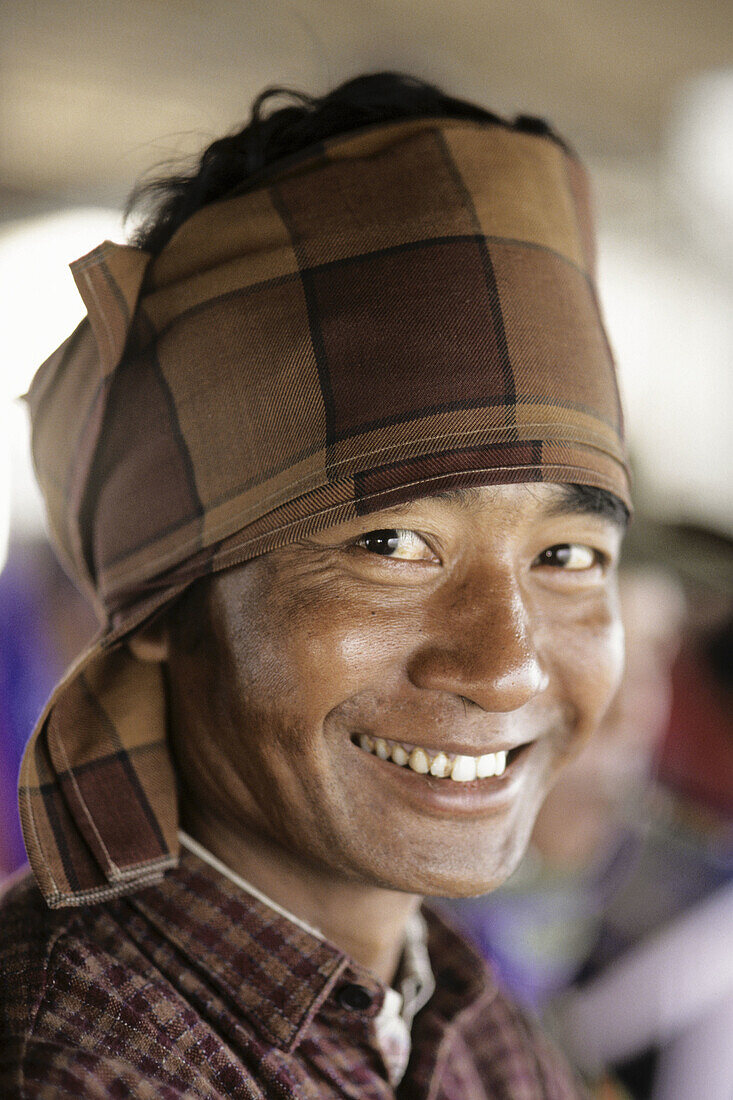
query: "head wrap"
401, 310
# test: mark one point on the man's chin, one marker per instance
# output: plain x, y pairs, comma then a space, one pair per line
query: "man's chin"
462, 876
475, 884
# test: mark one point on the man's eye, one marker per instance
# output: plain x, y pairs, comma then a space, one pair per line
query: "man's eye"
395, 542
570, 556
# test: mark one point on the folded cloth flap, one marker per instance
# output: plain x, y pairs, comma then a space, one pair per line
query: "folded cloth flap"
109, 279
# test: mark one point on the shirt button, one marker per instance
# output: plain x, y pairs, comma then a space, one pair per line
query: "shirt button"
354, 997
449, 980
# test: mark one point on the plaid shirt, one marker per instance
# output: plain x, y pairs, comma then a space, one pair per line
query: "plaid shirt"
193, 988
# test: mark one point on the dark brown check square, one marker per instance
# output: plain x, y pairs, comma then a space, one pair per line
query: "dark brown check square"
389, 342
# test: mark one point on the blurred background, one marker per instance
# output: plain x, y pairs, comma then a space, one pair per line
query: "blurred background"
93, 94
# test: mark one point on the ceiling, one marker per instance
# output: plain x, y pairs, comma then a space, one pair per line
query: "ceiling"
92, 93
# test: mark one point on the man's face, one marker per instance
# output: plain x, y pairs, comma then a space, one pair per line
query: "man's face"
457, 628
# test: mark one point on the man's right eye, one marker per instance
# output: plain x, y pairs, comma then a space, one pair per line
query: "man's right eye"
396, 543
572, 557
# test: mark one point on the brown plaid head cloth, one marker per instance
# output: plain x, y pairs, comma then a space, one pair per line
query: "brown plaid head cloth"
401, 310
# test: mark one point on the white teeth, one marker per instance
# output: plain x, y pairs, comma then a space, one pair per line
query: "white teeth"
486, 765
461, 769
400, 756
464, 769
440, 766
419, 761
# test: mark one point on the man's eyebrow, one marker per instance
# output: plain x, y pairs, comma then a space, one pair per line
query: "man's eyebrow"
585, 499
590, 500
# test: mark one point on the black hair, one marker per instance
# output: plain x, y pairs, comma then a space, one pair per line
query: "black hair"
244, 159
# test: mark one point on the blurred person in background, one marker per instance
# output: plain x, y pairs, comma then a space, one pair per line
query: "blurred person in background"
660, 974
337, 456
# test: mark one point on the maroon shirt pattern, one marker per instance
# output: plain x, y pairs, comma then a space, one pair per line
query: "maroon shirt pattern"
191, 988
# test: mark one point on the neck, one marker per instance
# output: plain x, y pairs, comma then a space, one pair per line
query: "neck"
366, 922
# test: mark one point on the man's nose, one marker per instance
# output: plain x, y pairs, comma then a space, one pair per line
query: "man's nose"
480, 647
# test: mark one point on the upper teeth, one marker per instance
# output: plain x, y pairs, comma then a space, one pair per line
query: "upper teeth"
461, 769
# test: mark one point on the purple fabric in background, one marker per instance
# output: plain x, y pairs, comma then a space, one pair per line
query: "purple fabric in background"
30, 662
26, 678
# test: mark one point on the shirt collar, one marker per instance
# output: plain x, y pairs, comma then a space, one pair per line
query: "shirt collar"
271, 971
414, 983
284, 978
209, 857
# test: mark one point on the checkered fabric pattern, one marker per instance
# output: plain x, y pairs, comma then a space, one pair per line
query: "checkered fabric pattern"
193, 989
412, 304
403, 310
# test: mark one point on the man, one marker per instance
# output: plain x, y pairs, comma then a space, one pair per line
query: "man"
337, 455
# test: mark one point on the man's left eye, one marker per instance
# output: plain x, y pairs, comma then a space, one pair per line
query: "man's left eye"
396, 542
570, 556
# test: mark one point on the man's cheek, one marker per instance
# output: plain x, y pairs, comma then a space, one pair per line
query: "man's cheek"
610, 663
594, 677
343, 648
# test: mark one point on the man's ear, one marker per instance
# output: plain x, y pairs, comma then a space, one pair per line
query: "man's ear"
152, 642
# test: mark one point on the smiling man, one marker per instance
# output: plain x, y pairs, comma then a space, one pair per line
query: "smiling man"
337, 455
